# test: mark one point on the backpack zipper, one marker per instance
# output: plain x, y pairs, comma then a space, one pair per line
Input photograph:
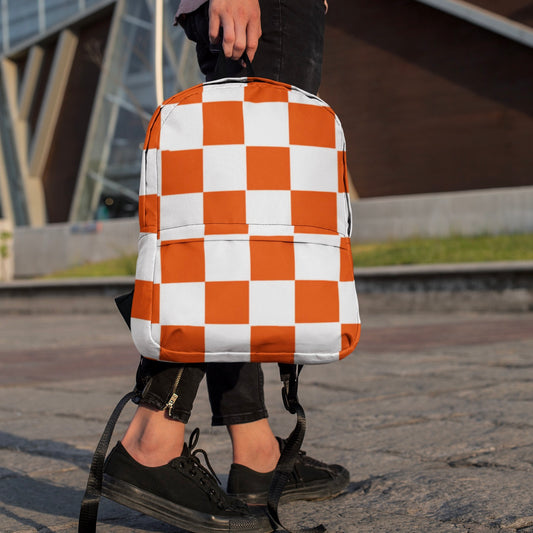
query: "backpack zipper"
174, 397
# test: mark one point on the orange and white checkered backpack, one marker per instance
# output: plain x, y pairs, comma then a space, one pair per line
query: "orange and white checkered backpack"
244, 250
245, 222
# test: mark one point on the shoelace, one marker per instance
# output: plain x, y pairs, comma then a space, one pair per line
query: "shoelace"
208, 475
193, 453
305, 459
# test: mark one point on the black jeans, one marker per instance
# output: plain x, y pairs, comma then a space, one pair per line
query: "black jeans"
290, 50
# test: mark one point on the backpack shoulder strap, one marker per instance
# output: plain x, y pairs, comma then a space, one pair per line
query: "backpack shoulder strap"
289, 375
93, 492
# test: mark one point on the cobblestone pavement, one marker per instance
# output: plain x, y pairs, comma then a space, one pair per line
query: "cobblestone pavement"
432, 416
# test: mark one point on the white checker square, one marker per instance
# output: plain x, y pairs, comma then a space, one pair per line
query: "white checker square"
318, 338
147, 247
344, 214
266, 123
299, 96
181, 210
315, 359
316, 262
314, 169
273, 229
151, 169
142, 178
166, 111
156, 333
340, 141
157, 168
141, 333
182, 304
181, 127
227, 357
183, 232
224, 168
226, 338
348, 305
268, 207
227, 260
320, 238
272, 303
218, 92
157, 264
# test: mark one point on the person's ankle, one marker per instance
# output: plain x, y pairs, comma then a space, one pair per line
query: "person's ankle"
262, 456
152, 439
148, 453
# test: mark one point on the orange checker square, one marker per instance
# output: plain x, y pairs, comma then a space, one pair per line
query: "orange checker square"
182, 171
350, 337
185, 342
145, 301
153, 131
315, 209
271, 259
194, 96
316, 301
182, 262
155, 302
279, 341
311, 125
227, 302
314, 229
264, 92
148, 212
346, 260
341, 161
225, 207
268, 168
223, 123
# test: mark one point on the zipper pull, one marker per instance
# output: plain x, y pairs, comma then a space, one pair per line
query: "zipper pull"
171, 402
174, 397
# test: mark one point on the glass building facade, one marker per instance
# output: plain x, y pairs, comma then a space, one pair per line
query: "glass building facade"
77, 91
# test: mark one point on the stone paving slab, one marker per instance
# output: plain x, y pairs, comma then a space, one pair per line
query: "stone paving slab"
432, 416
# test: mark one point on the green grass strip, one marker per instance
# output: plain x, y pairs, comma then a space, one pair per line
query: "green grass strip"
406, 252
455, 249
121, 266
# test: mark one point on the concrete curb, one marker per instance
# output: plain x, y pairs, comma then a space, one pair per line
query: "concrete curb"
75, 295
446, 277
479, 287
498, 286
445, 268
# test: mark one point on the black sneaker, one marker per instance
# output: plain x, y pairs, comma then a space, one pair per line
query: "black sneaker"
182, 493
310, 480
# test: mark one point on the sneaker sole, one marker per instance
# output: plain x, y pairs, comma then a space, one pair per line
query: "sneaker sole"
319, 490
176, 515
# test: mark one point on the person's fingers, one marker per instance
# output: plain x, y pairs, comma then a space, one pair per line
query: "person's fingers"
253, 33
239, 41
214, 27
228, 36
239, 24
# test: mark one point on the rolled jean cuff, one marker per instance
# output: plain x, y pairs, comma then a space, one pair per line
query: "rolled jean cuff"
243, 418
168, 386
154, 402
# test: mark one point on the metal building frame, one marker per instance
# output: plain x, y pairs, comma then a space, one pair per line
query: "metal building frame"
521, 33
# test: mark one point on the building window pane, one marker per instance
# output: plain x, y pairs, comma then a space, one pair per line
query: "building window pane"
59, 10
23, 20
110, 181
